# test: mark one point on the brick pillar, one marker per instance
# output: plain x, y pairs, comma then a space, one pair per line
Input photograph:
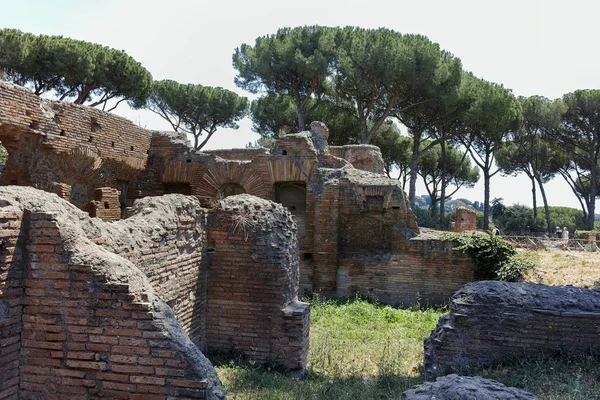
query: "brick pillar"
326, 236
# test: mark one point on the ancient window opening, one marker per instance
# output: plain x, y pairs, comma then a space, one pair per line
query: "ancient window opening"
188, 161
62, 132
177, 187
284, 152
90, 139
131, 148
230, 189
395, 207
106, 205
112, 144
34, 124
307, 256
292, 195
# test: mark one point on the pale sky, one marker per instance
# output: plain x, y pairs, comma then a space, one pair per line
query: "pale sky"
546, 48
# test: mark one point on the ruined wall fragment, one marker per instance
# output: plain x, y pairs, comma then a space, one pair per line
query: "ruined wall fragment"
465, 220
493, 320
253, 302
92, 325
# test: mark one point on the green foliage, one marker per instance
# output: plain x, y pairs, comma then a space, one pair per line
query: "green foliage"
359, 349
196, 109
580, 142
443, 165
572, 218
3, 154
516, 219
514, 269
72, 69
490, 253
494, 113
292, 62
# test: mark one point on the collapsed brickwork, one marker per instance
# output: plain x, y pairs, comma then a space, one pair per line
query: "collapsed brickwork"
356, 231
120, 310
490, 321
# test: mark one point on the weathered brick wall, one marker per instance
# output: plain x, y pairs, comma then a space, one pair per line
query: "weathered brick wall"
92, 323
252, 296
106, 204
170, 248
492, 320
239, 154
465, 220
11, 298
425, 271
69, 149
361, 156
65, 126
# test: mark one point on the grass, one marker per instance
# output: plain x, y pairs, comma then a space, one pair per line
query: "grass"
364, 350
556, 267
359, 350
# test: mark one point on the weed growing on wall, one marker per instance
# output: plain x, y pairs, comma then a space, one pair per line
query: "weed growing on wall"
493, 257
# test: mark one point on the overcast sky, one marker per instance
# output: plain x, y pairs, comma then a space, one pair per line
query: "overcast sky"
546, 48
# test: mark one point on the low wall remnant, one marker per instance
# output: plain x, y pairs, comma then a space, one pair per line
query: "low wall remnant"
490, 321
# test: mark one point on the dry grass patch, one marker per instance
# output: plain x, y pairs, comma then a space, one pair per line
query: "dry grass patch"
559, 268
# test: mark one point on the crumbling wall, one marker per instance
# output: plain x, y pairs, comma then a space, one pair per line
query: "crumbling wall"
362, 156
92, 325
253, 302
165, 237
465, 220
493, 320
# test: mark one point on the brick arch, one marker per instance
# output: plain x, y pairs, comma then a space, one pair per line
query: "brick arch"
179, 171
226, 172
287, 171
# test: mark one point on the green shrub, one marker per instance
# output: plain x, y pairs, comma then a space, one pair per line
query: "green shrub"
490, 253
514, 269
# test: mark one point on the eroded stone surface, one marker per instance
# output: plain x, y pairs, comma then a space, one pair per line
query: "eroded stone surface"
455, 387
493, 320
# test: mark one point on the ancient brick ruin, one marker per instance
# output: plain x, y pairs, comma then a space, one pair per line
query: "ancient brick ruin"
465, 220
490, 321
122, 305
356, 231
123, 310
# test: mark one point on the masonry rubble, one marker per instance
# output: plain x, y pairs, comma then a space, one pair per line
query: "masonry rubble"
491, 321
452, 387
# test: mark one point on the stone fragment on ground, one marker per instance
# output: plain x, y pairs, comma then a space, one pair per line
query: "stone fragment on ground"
456, 387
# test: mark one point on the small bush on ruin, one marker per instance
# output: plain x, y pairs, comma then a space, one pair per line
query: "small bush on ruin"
493, 257
514, 269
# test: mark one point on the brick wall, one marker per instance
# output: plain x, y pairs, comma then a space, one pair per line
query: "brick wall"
465, 220
92, 325
490, 321
11, 299
252, 296
170, 249
425, 271
361, 156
